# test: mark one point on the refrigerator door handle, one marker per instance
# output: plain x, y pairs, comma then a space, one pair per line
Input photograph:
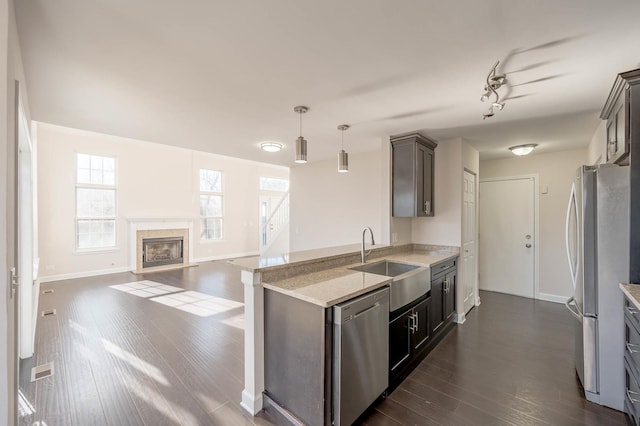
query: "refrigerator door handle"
575, 312
572, 203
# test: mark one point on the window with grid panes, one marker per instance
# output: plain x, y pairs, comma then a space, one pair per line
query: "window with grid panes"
95, 202
211, 206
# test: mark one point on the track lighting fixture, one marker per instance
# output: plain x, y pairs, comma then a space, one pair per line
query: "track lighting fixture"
301, 143
343, 156
492, 84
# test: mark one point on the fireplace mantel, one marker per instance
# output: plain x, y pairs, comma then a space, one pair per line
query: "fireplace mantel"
158, 224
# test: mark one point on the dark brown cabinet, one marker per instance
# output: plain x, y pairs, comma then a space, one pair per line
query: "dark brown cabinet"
632, 362
617, 113
443, 294
413, 160
415, 330
409, 334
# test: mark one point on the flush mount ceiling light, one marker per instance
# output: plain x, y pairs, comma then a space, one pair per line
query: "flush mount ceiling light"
271, 146
523, 149
343, 156
493, 83
301, 143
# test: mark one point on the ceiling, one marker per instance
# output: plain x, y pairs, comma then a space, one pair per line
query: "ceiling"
221, 76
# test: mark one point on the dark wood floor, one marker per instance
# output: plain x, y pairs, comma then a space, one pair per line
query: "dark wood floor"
125, 360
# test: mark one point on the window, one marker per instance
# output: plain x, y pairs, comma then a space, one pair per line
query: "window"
95, 202
274, 184
210, 205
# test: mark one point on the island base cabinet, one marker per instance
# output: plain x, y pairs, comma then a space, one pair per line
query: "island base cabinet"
298, 350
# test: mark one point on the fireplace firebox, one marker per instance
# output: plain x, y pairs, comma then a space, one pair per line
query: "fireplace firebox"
162, 251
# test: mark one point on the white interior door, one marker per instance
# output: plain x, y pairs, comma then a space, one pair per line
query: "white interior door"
28, 300
469, 235
507, 236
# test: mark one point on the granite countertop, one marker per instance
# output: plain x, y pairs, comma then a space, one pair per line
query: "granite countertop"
337, 284
261, 263
632, 291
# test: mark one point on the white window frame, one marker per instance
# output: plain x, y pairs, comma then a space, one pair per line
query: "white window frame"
266, 178
114, 188
204, 193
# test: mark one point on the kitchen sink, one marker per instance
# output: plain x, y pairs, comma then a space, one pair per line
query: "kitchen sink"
410, 282
386, 268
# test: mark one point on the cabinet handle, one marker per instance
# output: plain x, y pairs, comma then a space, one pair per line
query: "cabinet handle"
411, 324
417, 322
629, 392
630, 346
631, 310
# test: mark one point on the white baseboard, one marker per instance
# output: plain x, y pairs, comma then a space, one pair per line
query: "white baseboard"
552, 298
459, 318
60, 277
225, 256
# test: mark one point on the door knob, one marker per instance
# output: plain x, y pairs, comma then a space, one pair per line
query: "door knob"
527, 245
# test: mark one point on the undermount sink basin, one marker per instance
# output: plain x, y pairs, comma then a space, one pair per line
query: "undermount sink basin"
410, 282
386, 268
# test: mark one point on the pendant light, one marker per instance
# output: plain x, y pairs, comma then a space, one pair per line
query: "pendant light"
343, 156
301, 143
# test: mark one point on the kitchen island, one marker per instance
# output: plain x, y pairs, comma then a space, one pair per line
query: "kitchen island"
288, 296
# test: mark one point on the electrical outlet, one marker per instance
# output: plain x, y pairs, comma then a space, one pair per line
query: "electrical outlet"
394, 237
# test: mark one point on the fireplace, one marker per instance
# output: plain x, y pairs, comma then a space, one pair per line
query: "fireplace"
162, 251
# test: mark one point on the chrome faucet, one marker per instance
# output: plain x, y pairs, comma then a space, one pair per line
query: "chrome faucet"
362, 253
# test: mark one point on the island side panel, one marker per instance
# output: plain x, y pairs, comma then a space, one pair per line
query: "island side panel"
296, 350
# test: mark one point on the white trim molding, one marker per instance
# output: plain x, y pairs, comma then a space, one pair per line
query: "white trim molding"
60, 277
552, 298
459, 318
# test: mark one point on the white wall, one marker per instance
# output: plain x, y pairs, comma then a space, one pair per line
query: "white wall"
330, 208
597, 150
556, 171
445, 227
154, 181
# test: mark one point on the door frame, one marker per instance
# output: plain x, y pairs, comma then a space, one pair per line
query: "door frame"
536, 222
460, 316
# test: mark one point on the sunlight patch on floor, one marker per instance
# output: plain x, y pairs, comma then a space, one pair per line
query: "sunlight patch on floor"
139, 364
236, 321
197, 303
145, 288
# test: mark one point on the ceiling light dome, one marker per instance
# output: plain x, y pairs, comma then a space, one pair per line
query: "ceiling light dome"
271, 146
523, 149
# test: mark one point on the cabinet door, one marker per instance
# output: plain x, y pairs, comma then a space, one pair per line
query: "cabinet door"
450, 295
424, 181
437, 305
399, 341
421, 323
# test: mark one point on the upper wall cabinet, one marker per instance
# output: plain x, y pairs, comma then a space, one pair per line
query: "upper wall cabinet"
617, 112
413, 164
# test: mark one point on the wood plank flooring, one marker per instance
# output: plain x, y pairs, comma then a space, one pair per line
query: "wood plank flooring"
126, 360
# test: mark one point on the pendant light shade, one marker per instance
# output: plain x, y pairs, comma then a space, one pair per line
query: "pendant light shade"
301, 143
343, 161
343, 156
301, 150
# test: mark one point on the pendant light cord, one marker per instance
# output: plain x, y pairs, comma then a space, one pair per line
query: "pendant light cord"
342, 143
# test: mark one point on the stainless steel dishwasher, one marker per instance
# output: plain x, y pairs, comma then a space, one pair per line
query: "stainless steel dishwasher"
360, 354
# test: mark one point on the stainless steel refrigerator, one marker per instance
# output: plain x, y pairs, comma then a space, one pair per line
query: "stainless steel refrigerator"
597, 237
